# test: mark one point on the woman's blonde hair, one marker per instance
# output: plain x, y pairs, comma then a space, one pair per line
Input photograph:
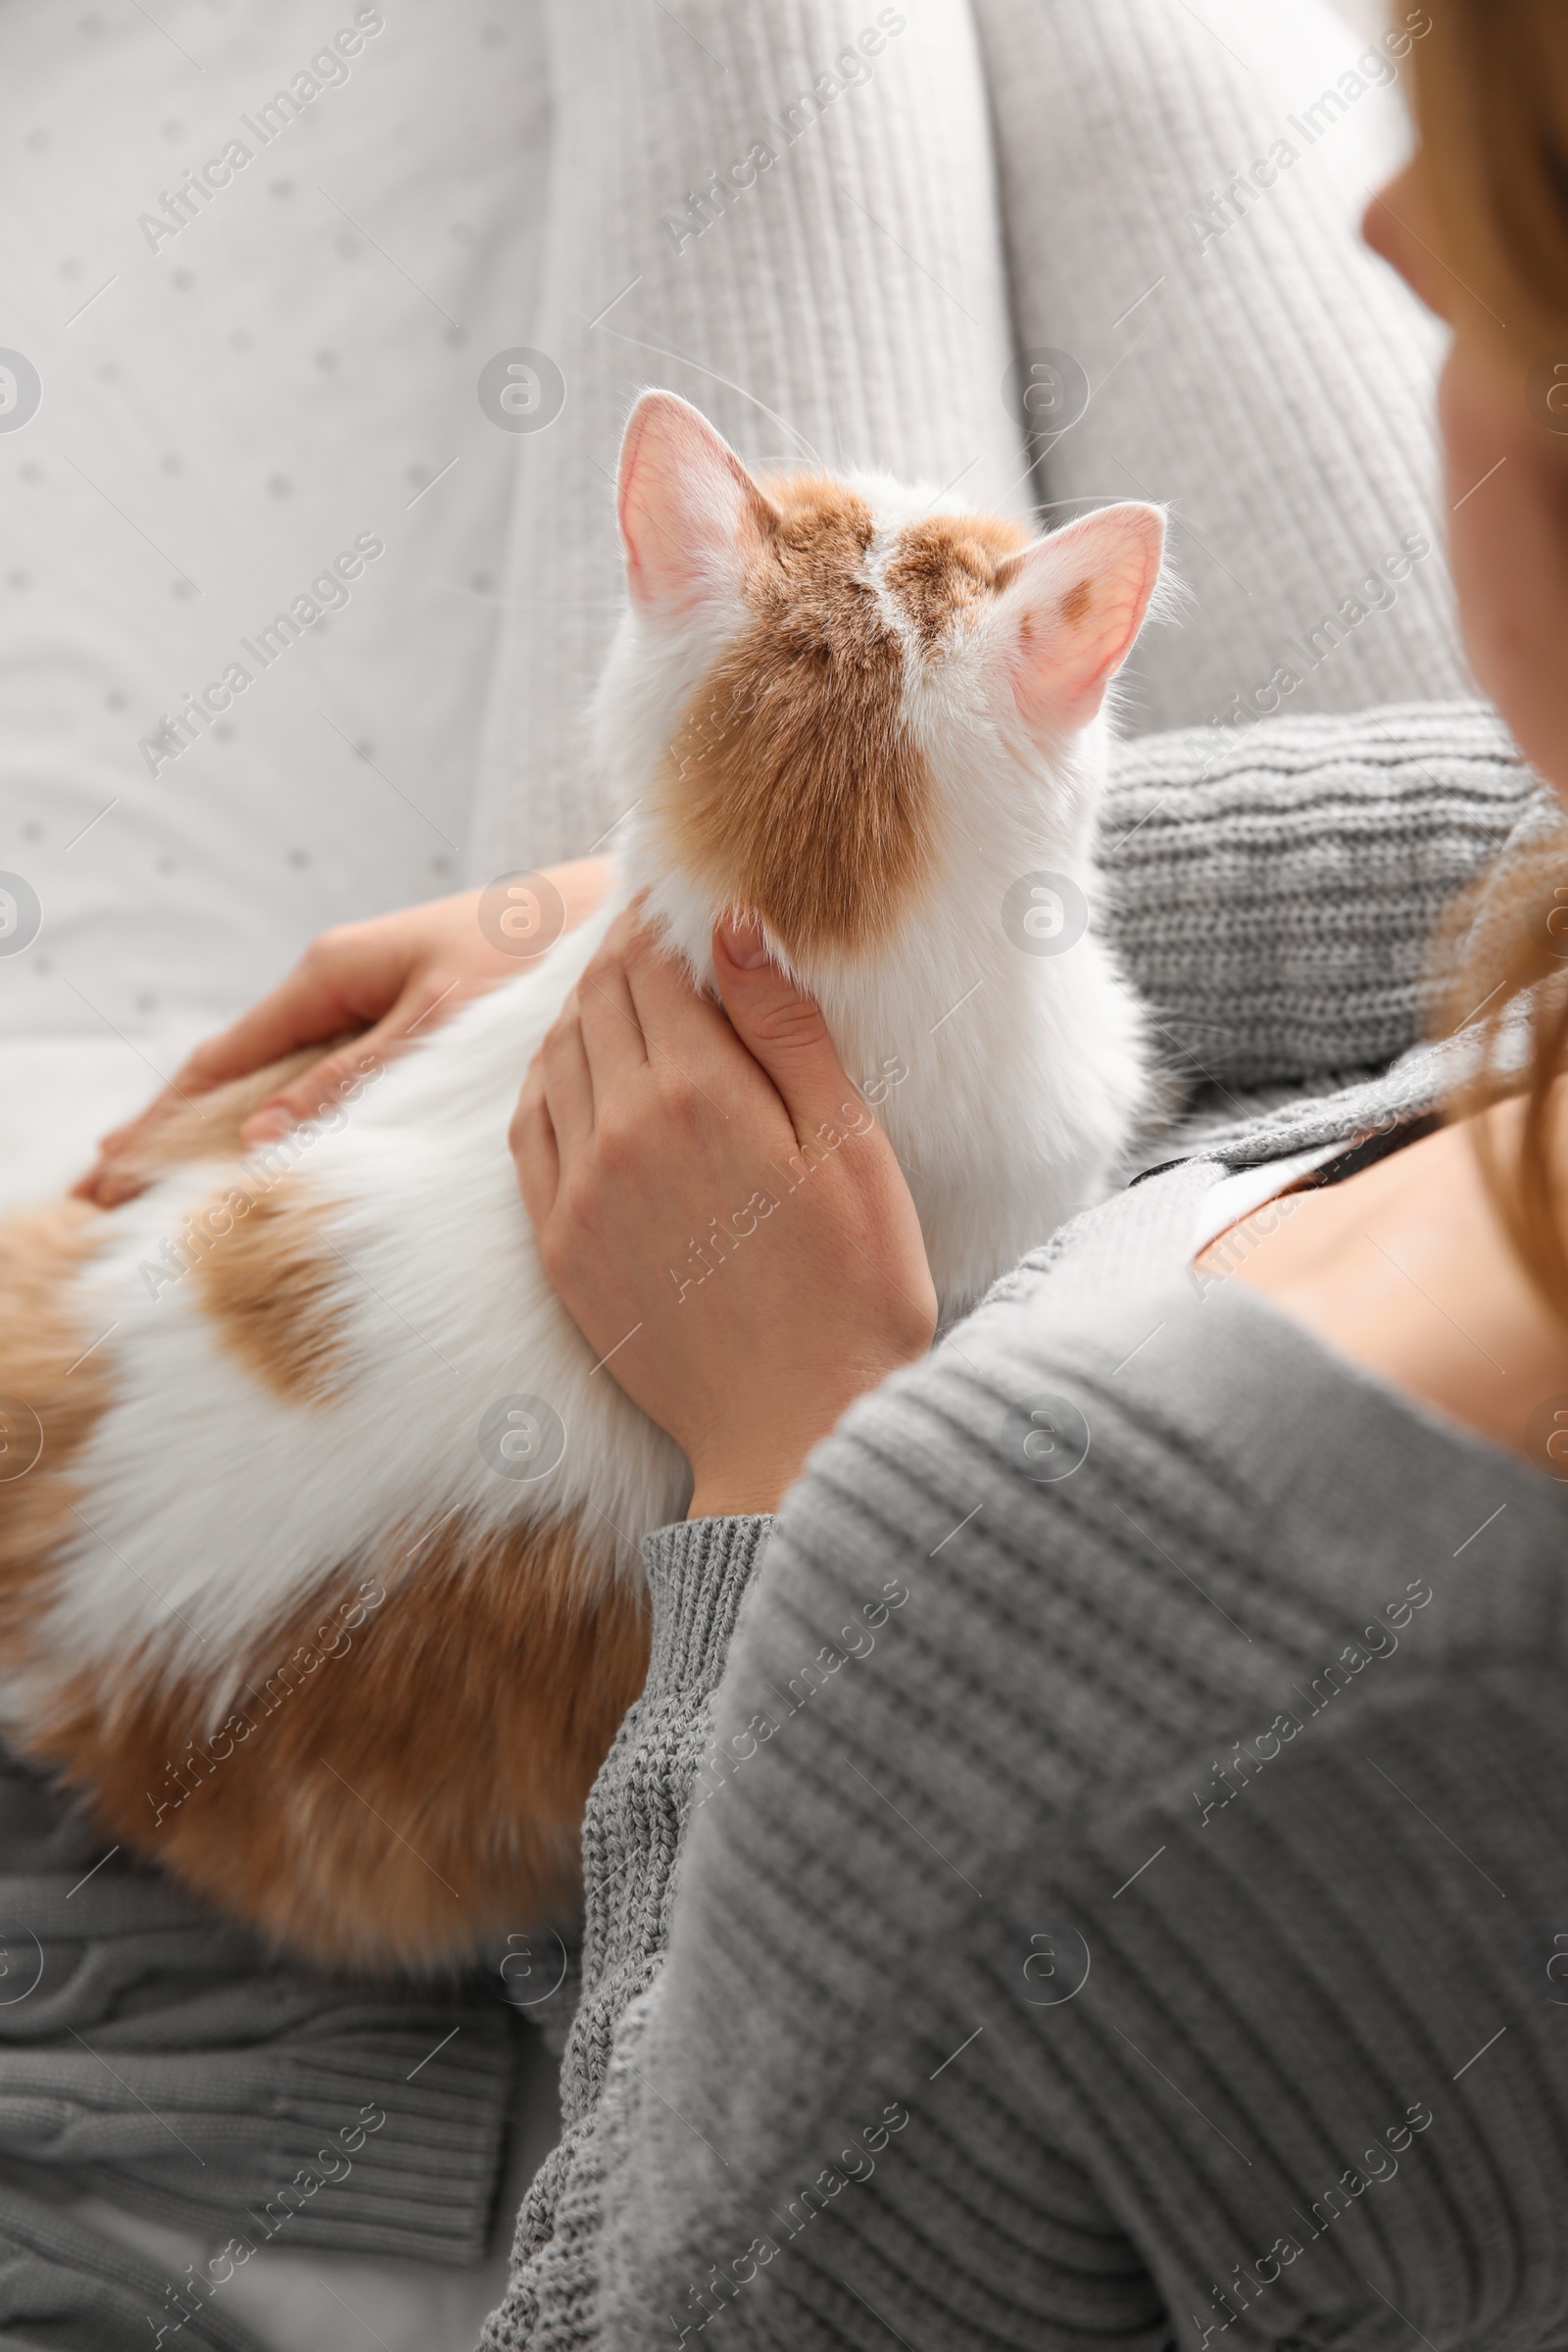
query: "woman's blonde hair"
1491, 106
1492, 109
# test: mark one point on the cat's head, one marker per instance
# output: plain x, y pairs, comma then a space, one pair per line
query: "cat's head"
830, 697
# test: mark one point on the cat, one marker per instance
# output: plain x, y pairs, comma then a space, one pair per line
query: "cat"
319, 1548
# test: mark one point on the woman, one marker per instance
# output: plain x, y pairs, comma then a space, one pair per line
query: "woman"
1123, 1849
1141, 1922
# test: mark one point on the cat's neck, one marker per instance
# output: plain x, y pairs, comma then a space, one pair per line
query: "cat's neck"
992, 1034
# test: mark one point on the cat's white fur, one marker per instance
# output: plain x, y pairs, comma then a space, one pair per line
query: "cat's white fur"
209, 1506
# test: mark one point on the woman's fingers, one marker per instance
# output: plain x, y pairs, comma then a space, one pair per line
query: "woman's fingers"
129, 1157
741, 1283
305, 1007
119, 1173
553, 1120
421, 1007
403, 972
783, 1029
568, 1085
532, 1144
680, 1022
611, 1033
317, 1089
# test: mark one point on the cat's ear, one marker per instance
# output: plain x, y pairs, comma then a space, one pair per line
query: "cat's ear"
690, 516
1070, 607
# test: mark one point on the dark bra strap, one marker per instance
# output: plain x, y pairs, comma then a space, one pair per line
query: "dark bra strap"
1369, 1151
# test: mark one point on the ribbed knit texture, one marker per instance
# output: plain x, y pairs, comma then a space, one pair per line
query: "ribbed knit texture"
66, 2290
1269, 377
217, 2110
1072, 2014
698, 1576
161, 2058
1274, 890
852, 308
849, 309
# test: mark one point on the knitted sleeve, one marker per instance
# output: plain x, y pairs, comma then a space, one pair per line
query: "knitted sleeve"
1080, 1943
698, 1575
1274, 890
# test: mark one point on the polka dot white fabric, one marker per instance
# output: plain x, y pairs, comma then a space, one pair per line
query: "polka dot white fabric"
250, 370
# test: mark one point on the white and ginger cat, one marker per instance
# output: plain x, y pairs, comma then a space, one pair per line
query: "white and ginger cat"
297, 1593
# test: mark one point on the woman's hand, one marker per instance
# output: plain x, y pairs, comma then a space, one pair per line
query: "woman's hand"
719, 1210
370, 985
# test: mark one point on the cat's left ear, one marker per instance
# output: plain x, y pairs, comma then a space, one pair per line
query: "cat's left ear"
690, 516
1070, 608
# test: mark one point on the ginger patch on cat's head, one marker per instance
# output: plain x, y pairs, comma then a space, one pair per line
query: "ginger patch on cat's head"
948, 567
798, 781
793, 785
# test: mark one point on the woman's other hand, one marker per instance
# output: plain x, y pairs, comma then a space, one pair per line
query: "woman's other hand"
718, 1209
372, 985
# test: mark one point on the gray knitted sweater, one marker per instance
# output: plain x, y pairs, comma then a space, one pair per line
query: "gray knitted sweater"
1108, 1888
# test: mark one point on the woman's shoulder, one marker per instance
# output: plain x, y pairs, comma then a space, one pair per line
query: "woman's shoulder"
1129, 1633
1405, 1272
1121, 1520
1079, 1385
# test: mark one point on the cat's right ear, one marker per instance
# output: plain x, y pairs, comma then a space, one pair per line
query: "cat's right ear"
691, 516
